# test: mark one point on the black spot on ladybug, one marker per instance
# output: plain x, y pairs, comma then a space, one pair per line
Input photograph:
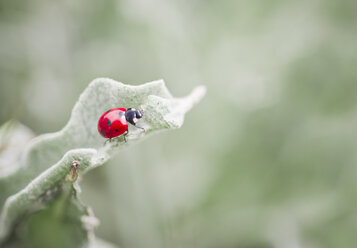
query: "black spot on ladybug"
121, 113
109, 122
102, 132
108, 111
117, 130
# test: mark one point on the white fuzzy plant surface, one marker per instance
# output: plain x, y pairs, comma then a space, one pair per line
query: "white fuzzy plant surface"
39, 174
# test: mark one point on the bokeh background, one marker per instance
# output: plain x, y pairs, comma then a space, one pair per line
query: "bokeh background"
267, 159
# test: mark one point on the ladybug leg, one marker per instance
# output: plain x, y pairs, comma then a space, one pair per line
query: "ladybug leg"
125, 134
140, 128
110, 140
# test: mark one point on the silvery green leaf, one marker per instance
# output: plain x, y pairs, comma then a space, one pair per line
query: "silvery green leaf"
47, 160
13, 138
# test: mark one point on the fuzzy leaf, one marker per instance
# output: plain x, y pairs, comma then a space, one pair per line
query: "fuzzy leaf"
47, 160
13, 139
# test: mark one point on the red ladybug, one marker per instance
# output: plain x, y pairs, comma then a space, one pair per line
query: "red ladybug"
114, 122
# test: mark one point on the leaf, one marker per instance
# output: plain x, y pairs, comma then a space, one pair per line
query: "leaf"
48, 158
13, 139
59, 224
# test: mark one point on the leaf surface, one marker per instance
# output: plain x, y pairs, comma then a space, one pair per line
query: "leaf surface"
47, 160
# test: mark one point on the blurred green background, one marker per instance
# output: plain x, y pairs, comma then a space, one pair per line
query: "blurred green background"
267, 159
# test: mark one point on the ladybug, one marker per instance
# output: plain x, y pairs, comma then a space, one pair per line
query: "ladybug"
114, 122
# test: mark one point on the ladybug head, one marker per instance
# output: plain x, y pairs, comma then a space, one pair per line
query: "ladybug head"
132, 115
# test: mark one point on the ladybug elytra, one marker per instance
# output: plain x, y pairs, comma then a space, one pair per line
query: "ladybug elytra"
114, 122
